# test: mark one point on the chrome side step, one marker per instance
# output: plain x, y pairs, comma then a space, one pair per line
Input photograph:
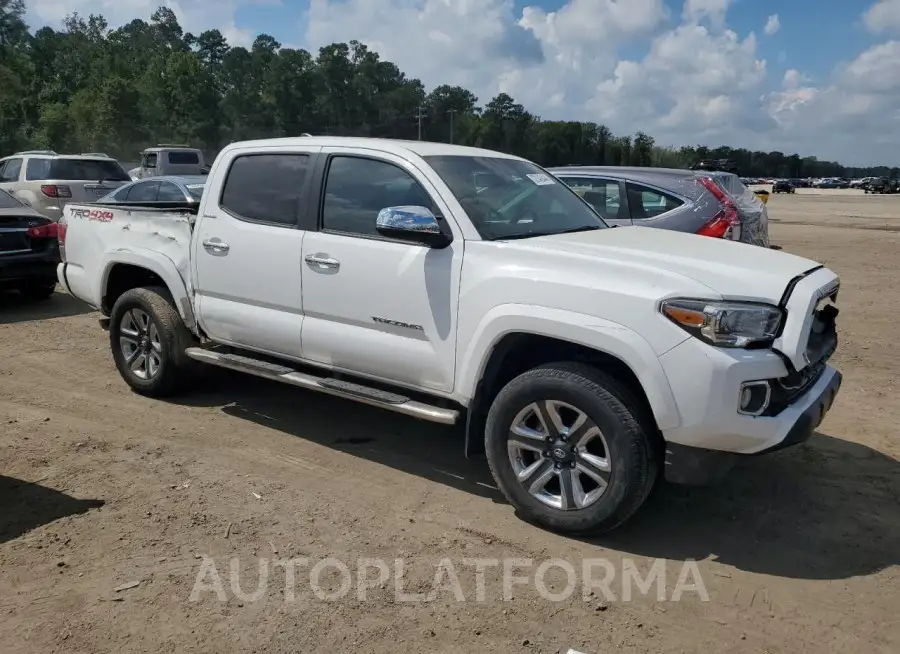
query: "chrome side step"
337, 387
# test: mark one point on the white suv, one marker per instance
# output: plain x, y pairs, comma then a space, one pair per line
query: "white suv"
47, 181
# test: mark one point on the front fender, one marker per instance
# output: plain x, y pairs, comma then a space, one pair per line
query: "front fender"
163, 267
589, 331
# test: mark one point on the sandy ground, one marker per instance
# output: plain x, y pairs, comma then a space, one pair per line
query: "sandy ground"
799, 551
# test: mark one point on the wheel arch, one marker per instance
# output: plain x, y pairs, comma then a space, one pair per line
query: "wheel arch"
572, 337
140, 269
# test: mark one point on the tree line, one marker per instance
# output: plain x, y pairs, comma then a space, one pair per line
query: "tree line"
87, 87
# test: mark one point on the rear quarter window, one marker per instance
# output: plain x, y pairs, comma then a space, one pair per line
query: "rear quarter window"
646, 202
37, 169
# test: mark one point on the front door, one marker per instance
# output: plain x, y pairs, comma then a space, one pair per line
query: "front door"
247, 259
375, 306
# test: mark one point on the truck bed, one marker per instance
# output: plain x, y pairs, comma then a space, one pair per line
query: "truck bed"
131, 233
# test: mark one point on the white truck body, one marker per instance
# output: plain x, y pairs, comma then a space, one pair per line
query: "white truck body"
428, 320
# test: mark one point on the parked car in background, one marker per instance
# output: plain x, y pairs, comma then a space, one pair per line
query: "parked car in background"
29, 250
832, 182
165, 191
782, 186
883, 185
166, 159
710, 203
46, 181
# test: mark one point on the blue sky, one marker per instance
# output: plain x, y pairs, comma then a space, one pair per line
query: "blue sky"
685, 71
838, 34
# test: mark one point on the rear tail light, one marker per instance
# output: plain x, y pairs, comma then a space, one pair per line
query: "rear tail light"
726, 223
44, 231
56, 191
61, 237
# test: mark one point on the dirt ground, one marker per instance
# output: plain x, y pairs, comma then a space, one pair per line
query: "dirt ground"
99, 488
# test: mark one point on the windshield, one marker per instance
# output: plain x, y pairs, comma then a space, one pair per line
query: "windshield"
87, 170
509, 198
8, 202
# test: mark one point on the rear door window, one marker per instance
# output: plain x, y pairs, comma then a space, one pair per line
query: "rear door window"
646, 202
601, 194
266, 187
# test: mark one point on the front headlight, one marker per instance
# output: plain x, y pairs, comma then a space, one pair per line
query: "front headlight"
725, 324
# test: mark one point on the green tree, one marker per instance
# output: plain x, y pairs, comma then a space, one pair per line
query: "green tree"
85, 86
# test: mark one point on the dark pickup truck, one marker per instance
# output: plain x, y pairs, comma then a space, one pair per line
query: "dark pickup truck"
29, 250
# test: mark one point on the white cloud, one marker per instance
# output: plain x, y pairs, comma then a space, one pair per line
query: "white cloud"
714, 10
773, 24
688, 78
882, 16
836, 120
793, 79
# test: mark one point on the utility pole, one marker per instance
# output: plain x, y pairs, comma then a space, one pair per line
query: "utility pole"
452, 113
419, 117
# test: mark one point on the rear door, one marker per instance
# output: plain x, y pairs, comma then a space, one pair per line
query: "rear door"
654, 206
248, 250
605, 195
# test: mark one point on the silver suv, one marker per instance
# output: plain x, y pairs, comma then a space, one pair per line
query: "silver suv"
47, 181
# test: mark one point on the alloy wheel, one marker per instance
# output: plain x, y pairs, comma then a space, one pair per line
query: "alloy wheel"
140, 343
559, 455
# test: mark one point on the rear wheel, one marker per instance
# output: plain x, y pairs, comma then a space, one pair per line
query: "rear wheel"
148, 340
570, 448
38, 289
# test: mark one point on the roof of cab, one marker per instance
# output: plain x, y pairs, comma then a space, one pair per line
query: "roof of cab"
393, 146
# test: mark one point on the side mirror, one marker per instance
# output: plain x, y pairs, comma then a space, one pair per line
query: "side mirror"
410, 223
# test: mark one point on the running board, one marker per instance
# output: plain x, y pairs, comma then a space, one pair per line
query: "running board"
337, 387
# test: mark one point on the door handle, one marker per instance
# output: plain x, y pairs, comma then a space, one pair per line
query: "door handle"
216, 246
322, 261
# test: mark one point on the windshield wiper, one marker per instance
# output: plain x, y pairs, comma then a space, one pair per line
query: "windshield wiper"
585, 228
515, 237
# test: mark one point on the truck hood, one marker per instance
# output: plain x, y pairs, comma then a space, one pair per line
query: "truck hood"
736, 271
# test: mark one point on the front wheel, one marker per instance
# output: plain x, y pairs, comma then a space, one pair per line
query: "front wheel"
148, 340
570, 448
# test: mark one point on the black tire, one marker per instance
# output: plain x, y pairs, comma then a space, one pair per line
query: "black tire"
37, 289
175, 369
629, 433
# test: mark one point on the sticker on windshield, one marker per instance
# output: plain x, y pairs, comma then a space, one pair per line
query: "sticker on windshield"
540, 179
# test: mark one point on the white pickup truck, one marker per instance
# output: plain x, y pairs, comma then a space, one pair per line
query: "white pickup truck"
451, 283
